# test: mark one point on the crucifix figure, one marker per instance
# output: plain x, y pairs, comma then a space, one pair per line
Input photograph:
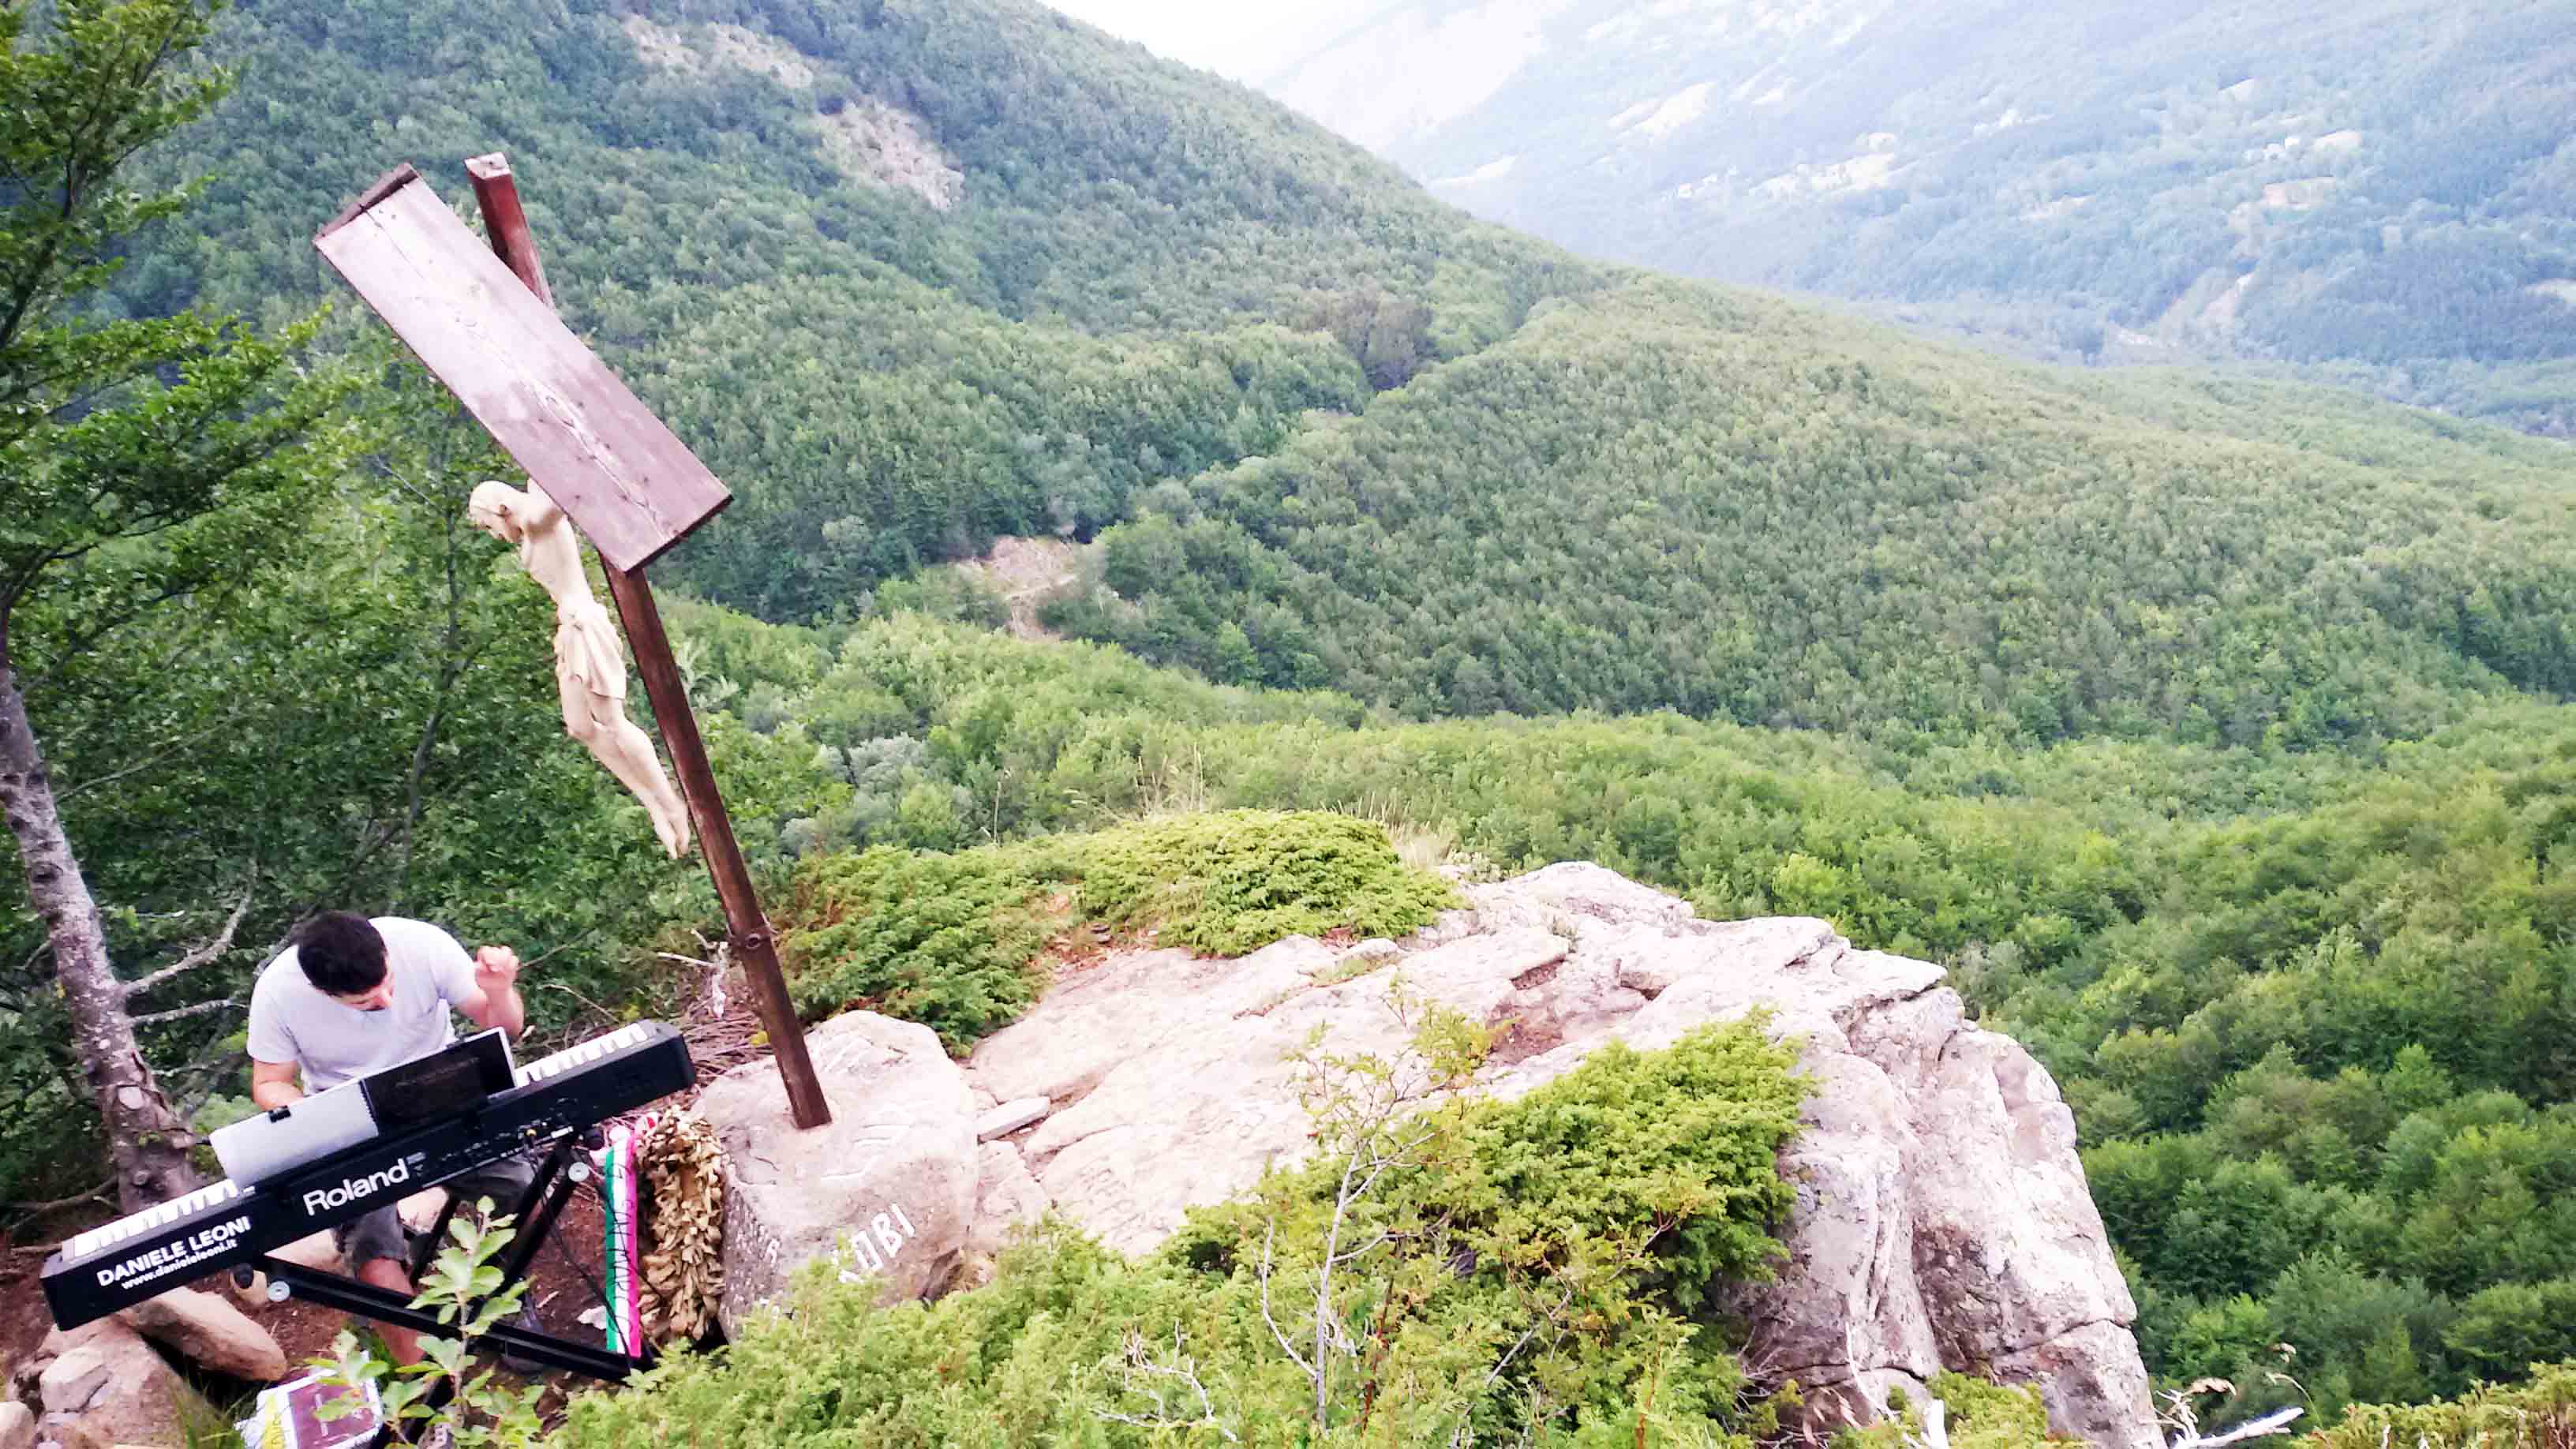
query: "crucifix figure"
590, 663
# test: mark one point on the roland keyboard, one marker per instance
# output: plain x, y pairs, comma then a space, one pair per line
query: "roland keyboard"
95, 1273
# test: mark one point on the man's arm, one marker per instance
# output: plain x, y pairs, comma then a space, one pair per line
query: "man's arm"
274, 1057
494, 1001
273, 1085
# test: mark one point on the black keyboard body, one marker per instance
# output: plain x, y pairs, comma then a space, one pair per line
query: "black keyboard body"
149, 1253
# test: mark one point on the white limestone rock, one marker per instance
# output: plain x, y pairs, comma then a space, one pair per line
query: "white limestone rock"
886, 1189
209, 1332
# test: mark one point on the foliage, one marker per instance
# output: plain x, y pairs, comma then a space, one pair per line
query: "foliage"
1975, 1414
1562, 1340
1665, 497
1228, 882
2284, 992
145, 458
147, 462
2204, 726
951, 941
2538, 1414
1990, 1416
399, 660
959, 941
445, 1389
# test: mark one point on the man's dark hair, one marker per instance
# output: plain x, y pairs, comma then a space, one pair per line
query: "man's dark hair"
341, 953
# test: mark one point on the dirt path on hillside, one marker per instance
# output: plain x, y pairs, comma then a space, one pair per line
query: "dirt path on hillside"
1024, 571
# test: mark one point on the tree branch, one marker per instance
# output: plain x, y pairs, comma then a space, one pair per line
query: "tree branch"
178, 1013
39, 1209
1467, 1414
1284, 1345
78, 643
1182, 1367
1364, 1249
146, 763
28, 965
202, 955
450, 669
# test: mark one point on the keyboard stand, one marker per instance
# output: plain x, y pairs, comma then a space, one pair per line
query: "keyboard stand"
558, 1175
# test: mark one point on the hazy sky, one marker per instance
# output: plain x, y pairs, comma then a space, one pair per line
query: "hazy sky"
1237, 38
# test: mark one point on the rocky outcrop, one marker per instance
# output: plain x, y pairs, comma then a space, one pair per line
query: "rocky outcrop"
869, 139
1942, 1218
102, 1384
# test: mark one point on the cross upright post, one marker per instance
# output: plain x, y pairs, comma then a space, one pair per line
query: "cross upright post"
631, 487
505, 225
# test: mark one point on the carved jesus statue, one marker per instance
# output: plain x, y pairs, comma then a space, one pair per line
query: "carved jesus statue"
590, 663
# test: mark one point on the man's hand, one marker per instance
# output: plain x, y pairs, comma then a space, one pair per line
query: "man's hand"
496, 985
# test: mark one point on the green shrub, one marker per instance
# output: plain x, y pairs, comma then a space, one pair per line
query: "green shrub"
1685, 1138
945, 940
1992, 1416
1550, 1249
1976, 1414
2538, 1414
1232, 881
1532, 1318
960, 941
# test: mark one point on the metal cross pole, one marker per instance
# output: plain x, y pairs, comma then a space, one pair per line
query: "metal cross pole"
630, 486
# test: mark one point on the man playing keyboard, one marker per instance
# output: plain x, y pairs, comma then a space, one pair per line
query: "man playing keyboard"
353, 996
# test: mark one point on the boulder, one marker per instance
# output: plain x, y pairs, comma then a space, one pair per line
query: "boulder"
2007, 1240
886, 1190
71, 1382
209, 1332
108, 1386
17, 1426
28, 1372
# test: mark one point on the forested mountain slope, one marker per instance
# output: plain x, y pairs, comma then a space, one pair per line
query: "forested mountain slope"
916, 274
1666, 496
912, 273
2381, 190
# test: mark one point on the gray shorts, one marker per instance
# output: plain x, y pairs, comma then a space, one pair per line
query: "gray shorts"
379, 1234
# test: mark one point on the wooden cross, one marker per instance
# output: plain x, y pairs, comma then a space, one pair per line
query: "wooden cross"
483, 320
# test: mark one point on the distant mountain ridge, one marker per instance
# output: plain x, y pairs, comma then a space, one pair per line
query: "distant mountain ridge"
2386, 190
914, 274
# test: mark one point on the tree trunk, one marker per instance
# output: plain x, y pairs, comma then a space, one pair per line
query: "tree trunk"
147, 1142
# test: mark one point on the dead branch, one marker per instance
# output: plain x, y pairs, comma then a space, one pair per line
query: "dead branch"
1285, 1347
58, 1204
204, 954
1466, 1416
179, 1013
23, 1213
547, 955
1180, 1367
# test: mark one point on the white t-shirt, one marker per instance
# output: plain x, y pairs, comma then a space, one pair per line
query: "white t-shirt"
292, 1020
